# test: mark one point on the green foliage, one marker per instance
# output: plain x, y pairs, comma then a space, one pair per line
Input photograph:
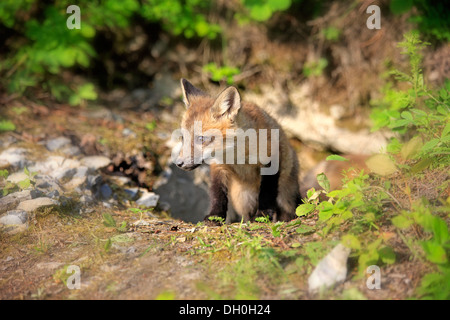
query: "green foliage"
180, 17
331, 33
431, 18
358, 207
221, 73
315, 68
7, 125
262, 10
417, 109
434, 245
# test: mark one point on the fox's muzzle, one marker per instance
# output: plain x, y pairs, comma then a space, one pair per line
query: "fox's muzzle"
185, 165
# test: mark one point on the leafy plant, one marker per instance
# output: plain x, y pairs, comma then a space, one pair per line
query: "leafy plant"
262, 10
417, 109
7, 125
221, 73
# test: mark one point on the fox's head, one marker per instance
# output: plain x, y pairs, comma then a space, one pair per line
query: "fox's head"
204, 125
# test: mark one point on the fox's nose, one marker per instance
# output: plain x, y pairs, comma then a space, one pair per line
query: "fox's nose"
179, 163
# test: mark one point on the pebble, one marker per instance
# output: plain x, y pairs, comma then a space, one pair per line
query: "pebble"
14, 221
57, 143
148, 199
95, 162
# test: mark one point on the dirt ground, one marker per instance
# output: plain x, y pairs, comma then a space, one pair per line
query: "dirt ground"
157, 257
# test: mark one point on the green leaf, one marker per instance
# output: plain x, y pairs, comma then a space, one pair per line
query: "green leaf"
260, 12
336, 157
7, 125
323, 182
434, 252
381, 164
427, 147
387, 255
109, 220
304, 209
108, 245
406, 115
4, 173
325, 215
24, 183
280, 5
440, 230
421, 165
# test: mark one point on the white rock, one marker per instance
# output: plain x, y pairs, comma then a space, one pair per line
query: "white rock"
10, 220
57, 143
148, 199
14, 156
31, 205
14, 222
310, 123
95, 162
17, 177
331, 270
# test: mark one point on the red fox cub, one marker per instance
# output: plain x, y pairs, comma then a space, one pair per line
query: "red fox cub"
252, 164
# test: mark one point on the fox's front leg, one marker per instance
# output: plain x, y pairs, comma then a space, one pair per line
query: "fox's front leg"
218, 195
267, 200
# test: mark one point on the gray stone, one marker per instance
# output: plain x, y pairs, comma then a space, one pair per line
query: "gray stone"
8, 203
53, 163
57, 143
54, 194
11, 201
64, 173
31, 205
71, 150
21, 214
132, 192
10, 220
95, 162
14, 222
187, 196
93, 181
36, 193
47, 182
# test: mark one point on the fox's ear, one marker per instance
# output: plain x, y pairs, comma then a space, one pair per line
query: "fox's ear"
227, 104
188, 91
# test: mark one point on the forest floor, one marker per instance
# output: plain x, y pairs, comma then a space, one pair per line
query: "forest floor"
154, 256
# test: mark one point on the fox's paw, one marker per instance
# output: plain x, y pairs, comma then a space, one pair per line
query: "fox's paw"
213, 220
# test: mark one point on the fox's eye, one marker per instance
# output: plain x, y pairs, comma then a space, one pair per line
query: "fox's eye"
202, 139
